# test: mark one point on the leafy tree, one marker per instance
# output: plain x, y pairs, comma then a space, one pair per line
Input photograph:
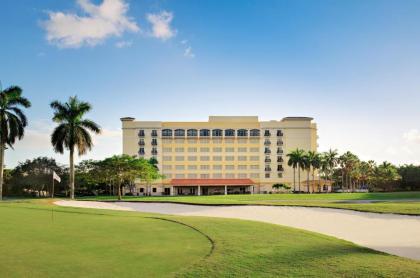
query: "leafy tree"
279, 186
410, 177
72, 131
12, 122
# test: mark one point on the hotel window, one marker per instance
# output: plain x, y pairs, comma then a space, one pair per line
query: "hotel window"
217, 175
230, 175
179, 167
242, 158
267, 150
279, 133
217, 167
167, 150
141, 142
167, 132
192, 150
154, 189
229, 132
204, 141
192, 176
192, 167
180, 176
254, 132
168, 176
229, 167
217, 132
217, 141
279, 150
166, 141
242, 150
204, 167
204, 158
242, 167
192, 141
254, 158
154, 133
167, 158
229, 150
254, 150
267, 133
141, 151
204, 176
255, 167
204, 132
179, 141
192, 158
217, 150
255, 175
267, 175
154, 142
217, 158
229, 141
179, 132
267, 142
204, 150
179, 150
254, 141
267, 159
229, 158
154, 151
242, 175
279, 175
141, 133
242, 140
167, 167
192, 133
242, 132
179, 158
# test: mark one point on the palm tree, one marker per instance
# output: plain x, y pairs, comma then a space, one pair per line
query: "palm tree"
331, 160
12, 122
72, 131
306, 165
296, 161
315, 163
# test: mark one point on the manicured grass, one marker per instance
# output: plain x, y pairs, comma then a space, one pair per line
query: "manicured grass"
396, 202
36, 242
89, 243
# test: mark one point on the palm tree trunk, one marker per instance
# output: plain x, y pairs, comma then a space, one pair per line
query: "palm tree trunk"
119, 191
307, 180
299, 178
71, 181
294, 179
313, 180
1, 170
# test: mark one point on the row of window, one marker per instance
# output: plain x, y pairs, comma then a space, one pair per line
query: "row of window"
208, 167
206, 132
208, 158
268, 142
206, 149
268, 150
229, 150
279, 168
211, 140
219, 175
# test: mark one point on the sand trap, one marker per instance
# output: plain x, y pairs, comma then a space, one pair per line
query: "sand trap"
394, 234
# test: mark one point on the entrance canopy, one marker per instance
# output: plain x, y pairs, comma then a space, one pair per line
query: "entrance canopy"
210, 182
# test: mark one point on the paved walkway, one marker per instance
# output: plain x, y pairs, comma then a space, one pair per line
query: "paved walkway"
394, 234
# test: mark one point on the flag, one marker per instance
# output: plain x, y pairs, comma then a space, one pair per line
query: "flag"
56, 177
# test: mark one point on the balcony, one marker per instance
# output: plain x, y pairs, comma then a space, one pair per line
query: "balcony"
279, 143
141, 151
267, 142
280, 168
279, 133
141, 133
279, 159
154, 143
267, 151
267, 169
154, 152
279, 151
267, 160
267, 133
154, 133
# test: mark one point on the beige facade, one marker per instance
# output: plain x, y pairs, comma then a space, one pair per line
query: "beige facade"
224, 147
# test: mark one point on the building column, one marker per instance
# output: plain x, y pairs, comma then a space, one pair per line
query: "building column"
172, 189
225, 189
252, 189
199, 191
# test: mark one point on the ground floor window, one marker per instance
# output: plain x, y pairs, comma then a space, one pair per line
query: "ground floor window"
141, 190
154, 189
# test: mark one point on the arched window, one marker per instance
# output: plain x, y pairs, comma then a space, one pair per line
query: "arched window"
179, 132
254, 132
242, 132
204, 132
192, 133
167, 132
229, 132
217, 132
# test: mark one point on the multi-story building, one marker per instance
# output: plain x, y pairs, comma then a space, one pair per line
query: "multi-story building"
225, 155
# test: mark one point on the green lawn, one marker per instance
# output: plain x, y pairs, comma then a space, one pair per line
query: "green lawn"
101, 243
396, 202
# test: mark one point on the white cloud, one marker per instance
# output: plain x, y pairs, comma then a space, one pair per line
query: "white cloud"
412, 135
69, 30
123, 44
188, 52
161, 25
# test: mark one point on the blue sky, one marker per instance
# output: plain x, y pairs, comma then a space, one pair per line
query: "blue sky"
352, 65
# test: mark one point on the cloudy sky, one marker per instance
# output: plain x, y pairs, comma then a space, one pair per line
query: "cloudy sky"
352, 65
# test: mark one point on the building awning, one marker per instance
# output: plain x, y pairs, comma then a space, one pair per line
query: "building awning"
211, 182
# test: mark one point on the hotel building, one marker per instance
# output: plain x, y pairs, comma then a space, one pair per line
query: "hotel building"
224, 155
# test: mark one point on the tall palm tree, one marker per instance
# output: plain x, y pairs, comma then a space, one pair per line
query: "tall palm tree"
72, 130
315, 163
12, 122
296, 161
331, 159
306, 165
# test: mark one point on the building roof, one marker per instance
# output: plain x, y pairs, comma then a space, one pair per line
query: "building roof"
211, 182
